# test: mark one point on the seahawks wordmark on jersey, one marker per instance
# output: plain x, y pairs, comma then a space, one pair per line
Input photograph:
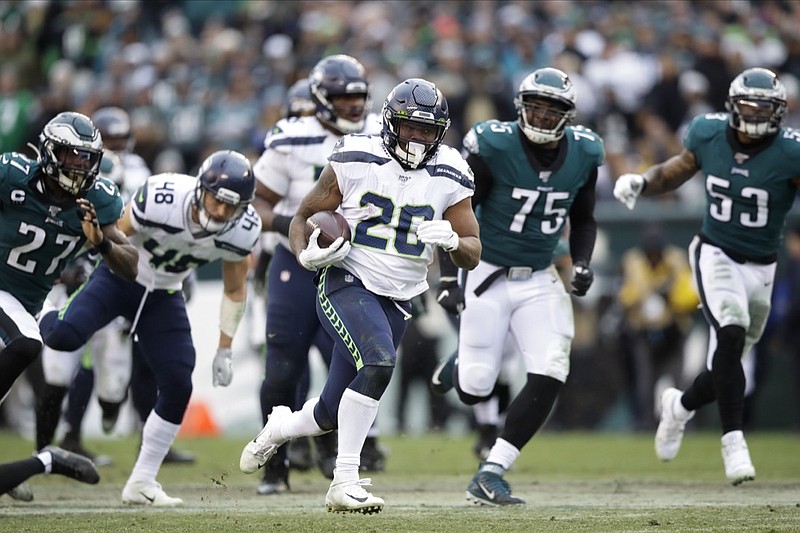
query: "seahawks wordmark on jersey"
170, 244
384, 204
525, 213
39, 236
748, 192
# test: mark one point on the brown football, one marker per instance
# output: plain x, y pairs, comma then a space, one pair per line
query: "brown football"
331, 226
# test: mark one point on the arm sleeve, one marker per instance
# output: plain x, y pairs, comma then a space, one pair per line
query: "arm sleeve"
447, 269
583, 226
483, 179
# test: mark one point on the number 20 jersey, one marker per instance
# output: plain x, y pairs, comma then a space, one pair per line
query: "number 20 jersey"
748, 194
384, 203
39, 236
170, 244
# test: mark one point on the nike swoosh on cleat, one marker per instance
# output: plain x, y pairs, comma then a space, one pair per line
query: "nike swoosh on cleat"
151, 499
489, 493
356, 498
435, 379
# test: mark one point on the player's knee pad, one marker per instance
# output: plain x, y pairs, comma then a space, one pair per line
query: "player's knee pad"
476, 379
372, 380
474, 383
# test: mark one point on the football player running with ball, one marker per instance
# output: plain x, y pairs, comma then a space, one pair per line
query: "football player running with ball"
404, 194
296, 150
751, 168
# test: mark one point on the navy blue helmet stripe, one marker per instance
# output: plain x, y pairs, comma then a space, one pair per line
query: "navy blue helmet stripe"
357, 156
231, 248
296, 141
151, 224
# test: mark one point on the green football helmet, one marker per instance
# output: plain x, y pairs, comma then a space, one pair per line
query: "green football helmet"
70, 150
756, 102
545, 104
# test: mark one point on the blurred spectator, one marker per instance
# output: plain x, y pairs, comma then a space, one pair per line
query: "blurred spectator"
17, 109
659, 302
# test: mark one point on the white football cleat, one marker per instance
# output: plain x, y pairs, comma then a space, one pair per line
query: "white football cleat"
350, 497
148, 493
669, 434
260, 450
736, 456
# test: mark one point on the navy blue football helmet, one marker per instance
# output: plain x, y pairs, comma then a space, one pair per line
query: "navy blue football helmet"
335, 76
298, 99
420, 102
70, 150
114, 124
228, 176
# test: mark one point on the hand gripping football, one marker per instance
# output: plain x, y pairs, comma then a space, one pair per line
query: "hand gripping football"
331, 226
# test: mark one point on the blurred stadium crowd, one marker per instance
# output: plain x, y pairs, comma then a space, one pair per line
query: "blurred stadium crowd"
199, 76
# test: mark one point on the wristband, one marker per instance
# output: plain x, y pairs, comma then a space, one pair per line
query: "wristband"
230, 314
281, 224
104, 247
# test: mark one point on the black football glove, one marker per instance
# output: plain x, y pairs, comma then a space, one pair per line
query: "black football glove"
450, 295
582, 278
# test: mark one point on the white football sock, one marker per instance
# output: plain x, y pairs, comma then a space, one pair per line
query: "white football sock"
357, 412
503, 453
157, 436
47, 460
301, 423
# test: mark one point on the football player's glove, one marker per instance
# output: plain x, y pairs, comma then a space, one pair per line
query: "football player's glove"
582, 278
450, 295
438, 233
627, 189
222, 367
314, 257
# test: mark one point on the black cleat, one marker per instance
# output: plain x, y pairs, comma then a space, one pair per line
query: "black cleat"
178, 457
489, 488
72, 465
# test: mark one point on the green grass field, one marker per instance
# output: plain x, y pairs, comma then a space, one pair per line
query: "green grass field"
592, 482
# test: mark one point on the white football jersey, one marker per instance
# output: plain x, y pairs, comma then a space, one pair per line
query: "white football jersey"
170, 244
384, 204
135, 174
295, 152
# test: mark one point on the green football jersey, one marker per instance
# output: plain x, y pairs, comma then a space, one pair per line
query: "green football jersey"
39, 236
748, 194
524, 214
